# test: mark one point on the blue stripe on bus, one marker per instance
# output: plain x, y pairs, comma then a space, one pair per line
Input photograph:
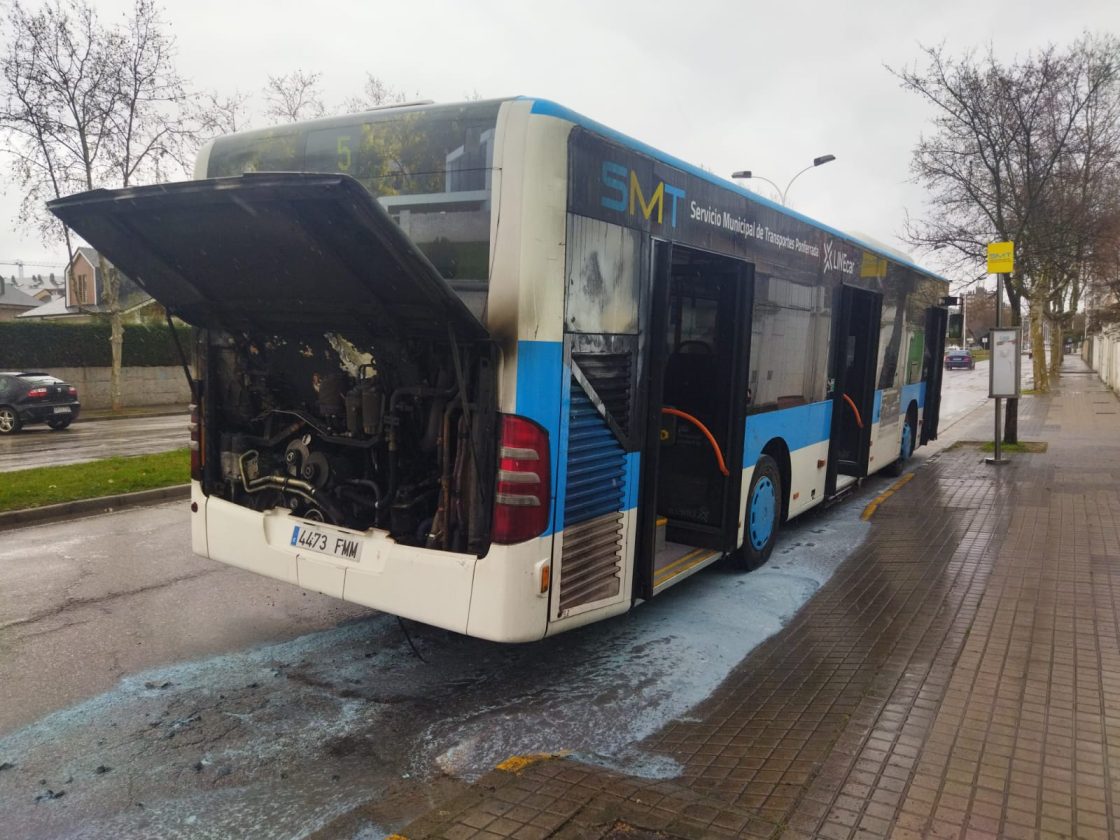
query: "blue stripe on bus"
548, 108
595, 464
913, 393
877, 410
540, 378
633, 474
799, 427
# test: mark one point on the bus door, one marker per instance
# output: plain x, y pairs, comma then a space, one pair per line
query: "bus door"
696, 367
855, 352
937, 321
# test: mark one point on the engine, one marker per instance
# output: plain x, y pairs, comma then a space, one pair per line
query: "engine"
336, 434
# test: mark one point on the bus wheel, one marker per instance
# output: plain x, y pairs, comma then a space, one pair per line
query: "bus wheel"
764, 513
905, 448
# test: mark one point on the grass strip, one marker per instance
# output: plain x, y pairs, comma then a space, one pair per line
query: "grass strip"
1021, 446
1032, 446
69, 482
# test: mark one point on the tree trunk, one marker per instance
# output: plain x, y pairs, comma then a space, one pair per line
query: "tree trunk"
1057, 339
1038, 348
1011, 418
116, 330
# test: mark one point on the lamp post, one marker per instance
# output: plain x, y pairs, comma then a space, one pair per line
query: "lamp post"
817, 161
964, 331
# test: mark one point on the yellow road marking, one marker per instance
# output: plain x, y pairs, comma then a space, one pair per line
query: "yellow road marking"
516, 763
869, 511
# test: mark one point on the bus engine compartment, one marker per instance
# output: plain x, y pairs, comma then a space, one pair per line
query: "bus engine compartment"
322, 427
340, 376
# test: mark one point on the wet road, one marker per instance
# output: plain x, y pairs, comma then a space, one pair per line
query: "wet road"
165, 695
962, 391
145, 692
38, 446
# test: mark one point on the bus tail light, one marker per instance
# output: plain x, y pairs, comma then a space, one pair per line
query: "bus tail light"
521, 500
195, 444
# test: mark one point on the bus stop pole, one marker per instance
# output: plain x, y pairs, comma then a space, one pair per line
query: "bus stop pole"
998, 454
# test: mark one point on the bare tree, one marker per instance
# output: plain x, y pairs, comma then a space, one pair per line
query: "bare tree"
1002, 134
1103, 265
89, 106
218, 114
1077, 208
294, 96
149, 132
375, 94
57, 95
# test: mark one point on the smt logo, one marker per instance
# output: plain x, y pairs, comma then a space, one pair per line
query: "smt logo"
623, 183
837, 259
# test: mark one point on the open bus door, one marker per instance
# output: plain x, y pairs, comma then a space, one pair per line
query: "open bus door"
695, 369
937, 321
855, 352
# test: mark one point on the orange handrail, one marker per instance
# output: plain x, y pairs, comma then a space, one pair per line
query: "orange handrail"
855, 411
676, 412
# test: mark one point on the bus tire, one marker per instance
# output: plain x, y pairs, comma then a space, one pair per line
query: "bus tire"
905, 447
764, 515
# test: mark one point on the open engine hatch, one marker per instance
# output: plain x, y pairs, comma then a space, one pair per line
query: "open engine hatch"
282, 253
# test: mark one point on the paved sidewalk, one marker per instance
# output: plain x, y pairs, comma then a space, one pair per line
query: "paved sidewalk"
959, 677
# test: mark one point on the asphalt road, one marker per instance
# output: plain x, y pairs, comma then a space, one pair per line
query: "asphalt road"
167, 696
962, 391
58, 578
38, 446
148, 692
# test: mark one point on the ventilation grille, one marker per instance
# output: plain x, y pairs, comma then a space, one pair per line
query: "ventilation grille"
610, 376
591, 566
596, 463
591, 562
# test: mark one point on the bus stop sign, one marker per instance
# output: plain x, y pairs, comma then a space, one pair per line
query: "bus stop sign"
1004, 373
1001, 257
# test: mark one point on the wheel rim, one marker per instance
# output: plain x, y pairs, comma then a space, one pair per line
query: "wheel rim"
907, 441
7, 420
762, 513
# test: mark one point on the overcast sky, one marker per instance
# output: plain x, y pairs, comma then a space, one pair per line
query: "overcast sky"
725, 85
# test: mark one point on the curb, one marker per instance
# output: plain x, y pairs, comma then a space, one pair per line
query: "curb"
141, 413
85, 507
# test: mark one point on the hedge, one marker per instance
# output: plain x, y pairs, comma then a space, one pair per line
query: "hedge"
45, 345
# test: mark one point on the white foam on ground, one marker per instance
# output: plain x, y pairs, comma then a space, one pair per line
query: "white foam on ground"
292, 734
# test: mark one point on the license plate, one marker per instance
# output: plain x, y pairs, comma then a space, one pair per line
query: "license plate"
324, 541
62, 409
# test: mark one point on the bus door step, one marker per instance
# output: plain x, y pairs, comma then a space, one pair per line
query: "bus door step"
845, 484
675, 562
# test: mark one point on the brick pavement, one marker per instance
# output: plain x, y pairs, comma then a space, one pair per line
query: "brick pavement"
958, 677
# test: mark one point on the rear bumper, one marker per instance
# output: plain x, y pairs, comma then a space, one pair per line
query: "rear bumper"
43, 413
495, 597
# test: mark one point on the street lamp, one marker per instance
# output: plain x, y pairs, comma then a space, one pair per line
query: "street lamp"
817, 161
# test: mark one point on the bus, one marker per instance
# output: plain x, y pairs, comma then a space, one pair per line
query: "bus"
498, 368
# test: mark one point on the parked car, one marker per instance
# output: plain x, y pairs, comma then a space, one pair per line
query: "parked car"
959, 359
36, 397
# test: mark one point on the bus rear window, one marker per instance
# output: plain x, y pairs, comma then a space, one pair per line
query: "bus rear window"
431, 168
